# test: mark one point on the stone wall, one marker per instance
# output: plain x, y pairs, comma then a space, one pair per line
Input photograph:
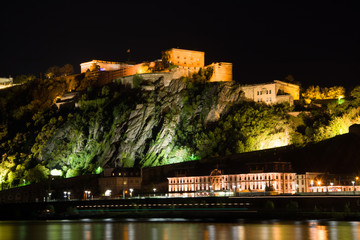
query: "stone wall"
222, 72
104, 65
292, 89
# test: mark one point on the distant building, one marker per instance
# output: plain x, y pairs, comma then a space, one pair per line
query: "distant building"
312, 182
262, 177
272, 93
118, 181
6, 82
303, 181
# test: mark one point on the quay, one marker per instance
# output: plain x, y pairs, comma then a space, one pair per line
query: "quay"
219, 208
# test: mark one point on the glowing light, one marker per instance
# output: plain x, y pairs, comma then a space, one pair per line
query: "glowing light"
56, 172
339, 99
108, 193
98, 170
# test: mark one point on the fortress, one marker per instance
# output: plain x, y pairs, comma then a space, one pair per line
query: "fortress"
177, 63
184, 62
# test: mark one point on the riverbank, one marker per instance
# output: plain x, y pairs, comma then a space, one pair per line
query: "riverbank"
216, 208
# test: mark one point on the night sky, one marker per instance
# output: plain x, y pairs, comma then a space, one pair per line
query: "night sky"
316, 43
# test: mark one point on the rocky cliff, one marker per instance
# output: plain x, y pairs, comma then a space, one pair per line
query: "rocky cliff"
151, 127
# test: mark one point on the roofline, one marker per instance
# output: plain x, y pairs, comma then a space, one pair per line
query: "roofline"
102, 61
181, 49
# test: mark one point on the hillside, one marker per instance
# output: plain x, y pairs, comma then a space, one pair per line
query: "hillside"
149, 122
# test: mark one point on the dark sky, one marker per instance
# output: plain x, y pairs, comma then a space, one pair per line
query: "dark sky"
265, 40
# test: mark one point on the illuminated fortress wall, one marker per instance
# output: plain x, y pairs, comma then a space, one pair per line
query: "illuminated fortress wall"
186, 58
222, 72
104, 65
292, 89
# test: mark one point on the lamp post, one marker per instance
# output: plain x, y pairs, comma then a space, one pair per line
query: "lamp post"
312, 185
319, 184
131, 191
66, 195
87, 194
353, 183
154, 189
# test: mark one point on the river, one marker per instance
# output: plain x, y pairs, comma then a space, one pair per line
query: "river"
180, 229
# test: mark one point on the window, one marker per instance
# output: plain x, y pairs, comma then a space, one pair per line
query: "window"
269, 91
257, 92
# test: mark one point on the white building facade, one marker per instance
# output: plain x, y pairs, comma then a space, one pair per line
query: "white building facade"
248, 182
272, 93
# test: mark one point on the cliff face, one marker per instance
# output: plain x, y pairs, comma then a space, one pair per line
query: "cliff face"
146, 133
149, 136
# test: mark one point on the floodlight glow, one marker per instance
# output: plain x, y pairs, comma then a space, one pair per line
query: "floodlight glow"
56, 172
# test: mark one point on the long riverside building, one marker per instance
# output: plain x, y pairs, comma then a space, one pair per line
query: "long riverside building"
220, 184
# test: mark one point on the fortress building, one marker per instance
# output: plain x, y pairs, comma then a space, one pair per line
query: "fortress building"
186, 63
191, 61
272, 93
186, 58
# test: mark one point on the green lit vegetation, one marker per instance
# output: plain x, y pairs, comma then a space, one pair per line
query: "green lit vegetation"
147, 128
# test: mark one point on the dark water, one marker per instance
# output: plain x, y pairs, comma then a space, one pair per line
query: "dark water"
180, 229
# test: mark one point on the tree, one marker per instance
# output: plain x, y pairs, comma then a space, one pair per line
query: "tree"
24, 79
37, 174
53, 71
355, 93
315, 92
67, 70
289, 78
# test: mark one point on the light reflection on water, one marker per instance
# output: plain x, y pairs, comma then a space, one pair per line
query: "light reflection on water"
109, 229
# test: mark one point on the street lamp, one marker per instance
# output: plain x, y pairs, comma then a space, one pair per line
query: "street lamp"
154, 189
66, 195
131, 191
312, 185
353, 183
87, 194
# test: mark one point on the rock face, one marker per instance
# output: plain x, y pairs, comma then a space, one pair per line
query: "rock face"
150, 131
148, 136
